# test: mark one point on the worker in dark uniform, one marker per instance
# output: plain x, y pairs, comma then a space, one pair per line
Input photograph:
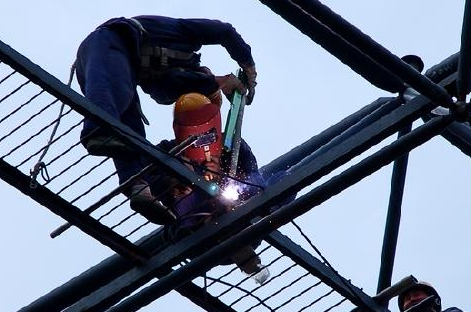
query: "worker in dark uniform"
195, 114
422, 297
158, 54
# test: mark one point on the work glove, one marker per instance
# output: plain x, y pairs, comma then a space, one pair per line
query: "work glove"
229, 83
250, 74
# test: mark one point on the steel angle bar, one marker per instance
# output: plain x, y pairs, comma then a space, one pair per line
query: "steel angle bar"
393, 218
93, 278
83, 106
71, 213
202, 298
375, 51
373, 133
463, 82
105, 272
366, 121
282, 216
232, 222
119, 189
317, 268
336, 45
460, 136
289, 159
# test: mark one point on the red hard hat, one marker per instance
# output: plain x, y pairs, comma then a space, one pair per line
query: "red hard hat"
194, 114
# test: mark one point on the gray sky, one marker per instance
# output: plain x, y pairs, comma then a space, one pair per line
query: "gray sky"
302, 90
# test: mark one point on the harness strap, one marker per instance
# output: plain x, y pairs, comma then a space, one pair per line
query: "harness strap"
138, 25
164, 54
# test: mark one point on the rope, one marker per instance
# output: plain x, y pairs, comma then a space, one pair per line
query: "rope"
40, 166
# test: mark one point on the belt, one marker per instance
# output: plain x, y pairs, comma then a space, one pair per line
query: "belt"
166, 52
163, 53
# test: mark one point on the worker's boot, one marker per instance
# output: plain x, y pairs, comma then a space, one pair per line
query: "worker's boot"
104, 145
146, 204
249, 263
260, 274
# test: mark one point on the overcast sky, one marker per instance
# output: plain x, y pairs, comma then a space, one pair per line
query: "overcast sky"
302, 90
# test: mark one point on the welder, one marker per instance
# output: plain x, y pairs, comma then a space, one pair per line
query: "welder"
195, 114
158, 54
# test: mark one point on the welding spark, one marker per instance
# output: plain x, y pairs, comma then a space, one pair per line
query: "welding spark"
231, 192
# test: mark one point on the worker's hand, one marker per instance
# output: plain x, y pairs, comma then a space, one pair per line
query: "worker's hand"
251, 75
229, 83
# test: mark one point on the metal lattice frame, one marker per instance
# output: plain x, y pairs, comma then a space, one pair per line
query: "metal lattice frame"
190, 265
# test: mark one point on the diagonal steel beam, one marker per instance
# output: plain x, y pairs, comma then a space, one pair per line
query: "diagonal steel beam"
106, 271
72, 214
373, 117
394, 65
289, 159
202, 298
336, 45
95, 277
208, 235
282, 216
320, 270
83, 106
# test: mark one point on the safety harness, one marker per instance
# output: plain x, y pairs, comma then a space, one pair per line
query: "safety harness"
155, 59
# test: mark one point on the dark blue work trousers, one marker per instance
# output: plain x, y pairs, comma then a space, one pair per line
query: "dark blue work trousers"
107, 79
107, 73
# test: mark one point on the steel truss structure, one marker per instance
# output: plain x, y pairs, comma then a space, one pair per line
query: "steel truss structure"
127, 281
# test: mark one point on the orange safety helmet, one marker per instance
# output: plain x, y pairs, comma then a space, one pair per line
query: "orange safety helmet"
194, 114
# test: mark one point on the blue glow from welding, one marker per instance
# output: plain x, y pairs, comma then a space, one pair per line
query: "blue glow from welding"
214, 189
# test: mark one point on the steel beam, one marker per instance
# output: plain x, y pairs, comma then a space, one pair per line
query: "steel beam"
393, 219
72, 214
463, 82
202, 298
111, 268
375, 51
114, 266
354, 129
208, 235
278, 218
93, 278
83, 106
336, 45
106, 271
320, 270
289, 159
